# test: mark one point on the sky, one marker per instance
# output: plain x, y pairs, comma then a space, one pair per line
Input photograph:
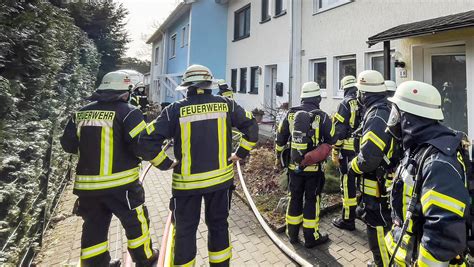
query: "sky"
144, 16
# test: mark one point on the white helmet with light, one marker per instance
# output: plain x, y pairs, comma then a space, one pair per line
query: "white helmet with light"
116, 81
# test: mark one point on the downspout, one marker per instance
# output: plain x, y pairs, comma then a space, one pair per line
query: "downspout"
290, 83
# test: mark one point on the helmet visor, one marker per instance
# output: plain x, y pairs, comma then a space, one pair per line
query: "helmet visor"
394, 117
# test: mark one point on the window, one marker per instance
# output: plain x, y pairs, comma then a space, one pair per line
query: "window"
184, 36
233, 79
243, 80
253, 80
319, 72
265, 10
173, 46
280, 8
322, 5
345, 66
157, 55
375, 62
242, 23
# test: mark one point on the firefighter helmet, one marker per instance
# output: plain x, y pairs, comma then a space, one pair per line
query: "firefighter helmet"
419, 99
116, 81
310, 89
391, 86
371, 81
348, 82
197, 76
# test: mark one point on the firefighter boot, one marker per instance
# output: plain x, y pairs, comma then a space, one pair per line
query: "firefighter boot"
151, 261
311, 242
292, 231
344, 224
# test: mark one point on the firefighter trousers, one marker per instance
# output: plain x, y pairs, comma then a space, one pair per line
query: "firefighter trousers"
186, 214
128, 206
304, 188
348, 186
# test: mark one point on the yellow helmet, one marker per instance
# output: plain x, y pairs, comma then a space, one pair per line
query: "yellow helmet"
117, 81
310, 89
371, 81
419, 99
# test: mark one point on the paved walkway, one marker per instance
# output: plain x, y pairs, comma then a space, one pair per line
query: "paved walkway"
251, 246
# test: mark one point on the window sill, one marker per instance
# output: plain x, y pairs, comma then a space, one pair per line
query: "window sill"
172, 57
253, 92
266, 20
242, 92
240, 38
282, 13
330, 8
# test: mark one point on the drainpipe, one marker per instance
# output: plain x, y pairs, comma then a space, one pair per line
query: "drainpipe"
386, 60
290, 83
295, 50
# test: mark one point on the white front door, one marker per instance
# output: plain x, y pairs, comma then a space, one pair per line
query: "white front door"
273, 88
445, 69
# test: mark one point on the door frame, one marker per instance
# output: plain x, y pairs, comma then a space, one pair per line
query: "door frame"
439, 51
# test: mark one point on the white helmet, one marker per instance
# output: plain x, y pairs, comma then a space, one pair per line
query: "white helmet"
197, 75
348, 82
310, 89
391, 86
419, 99
117, 81
371, 81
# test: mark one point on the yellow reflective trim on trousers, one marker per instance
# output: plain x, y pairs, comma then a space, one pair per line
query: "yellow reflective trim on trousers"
345, 196
220, 256
106, 150
135, 243
382, 246
443, 201
106, 178
279, 148
87, 253
374, 138
159, 158
401, 252
308, 223
425, 259
299, 146
355, 166
294, 220
180, 185
186, 148
338, 117
145, 230
203, 175
349, 202
150, 128
316, 217
189, 264
246, 144
138, 129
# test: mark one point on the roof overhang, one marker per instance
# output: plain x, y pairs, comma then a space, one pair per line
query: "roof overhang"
180, 10
425, 27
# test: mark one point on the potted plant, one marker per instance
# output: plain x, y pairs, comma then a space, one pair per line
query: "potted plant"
258, 114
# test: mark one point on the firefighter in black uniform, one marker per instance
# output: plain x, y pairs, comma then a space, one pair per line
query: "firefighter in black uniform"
372, 161
346, 121
139, 98
306, 180
104, 134
201, 127
225, 89
434, 170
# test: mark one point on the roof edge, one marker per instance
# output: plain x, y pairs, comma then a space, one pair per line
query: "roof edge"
181, 7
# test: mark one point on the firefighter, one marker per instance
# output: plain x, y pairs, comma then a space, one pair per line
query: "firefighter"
372, 161
201, 127
391, 88
139, 98
433, 175
305, 180
225, 89
103, 134
346, 121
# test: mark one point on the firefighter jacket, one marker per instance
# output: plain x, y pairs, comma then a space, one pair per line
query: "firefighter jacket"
286, 127
201, 127
437, 231
139, 100
226, 93
347, 120
104, 134
376, 146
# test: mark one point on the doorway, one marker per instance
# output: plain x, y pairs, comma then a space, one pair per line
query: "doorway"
271, 78
445, 69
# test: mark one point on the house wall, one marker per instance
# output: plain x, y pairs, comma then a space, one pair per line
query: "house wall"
268, 44
344, 30
208, 36
179, 63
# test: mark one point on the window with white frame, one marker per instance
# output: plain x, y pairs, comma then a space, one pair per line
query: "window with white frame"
233, 79
242, 23
157, 55
173, 46
243, 80
280, 7
265, 10
322, 5
375, 61
319, 72
254, 80
346, 65
183, 36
